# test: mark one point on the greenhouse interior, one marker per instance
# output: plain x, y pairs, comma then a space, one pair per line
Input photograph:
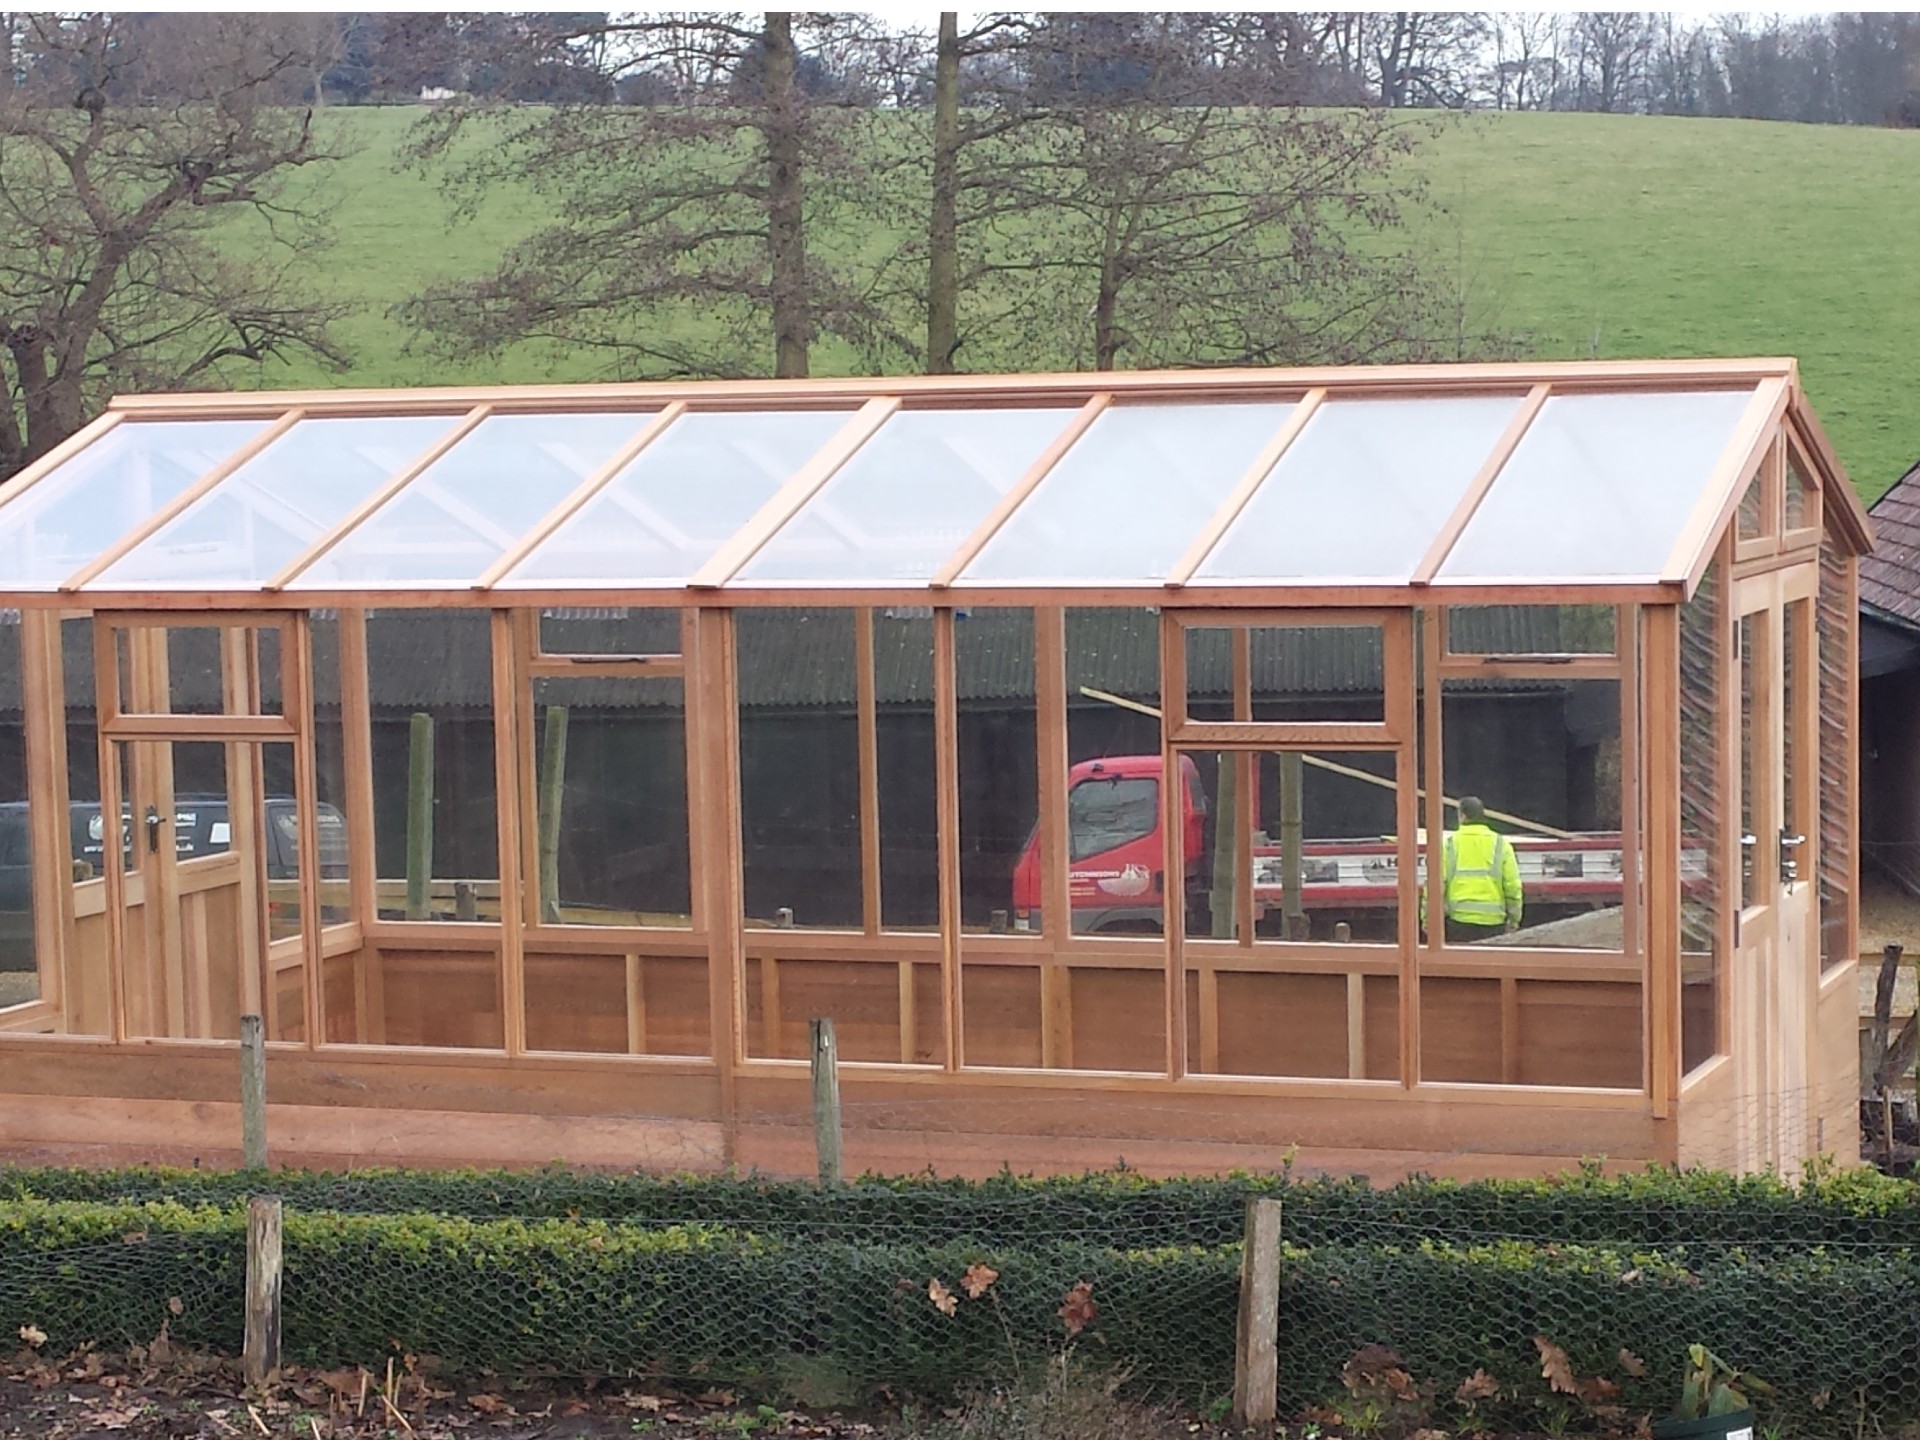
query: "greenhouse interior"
541, 762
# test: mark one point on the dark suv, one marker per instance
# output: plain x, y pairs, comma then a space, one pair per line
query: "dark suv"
201, 826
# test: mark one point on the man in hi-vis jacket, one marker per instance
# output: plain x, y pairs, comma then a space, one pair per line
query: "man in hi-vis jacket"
1480, 878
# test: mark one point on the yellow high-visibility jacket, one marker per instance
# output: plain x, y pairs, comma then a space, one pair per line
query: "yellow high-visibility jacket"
1481, 877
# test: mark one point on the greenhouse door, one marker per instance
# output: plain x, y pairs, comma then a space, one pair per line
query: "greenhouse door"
199, 805
1774, 961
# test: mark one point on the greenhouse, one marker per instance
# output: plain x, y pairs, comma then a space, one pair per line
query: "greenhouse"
539, 762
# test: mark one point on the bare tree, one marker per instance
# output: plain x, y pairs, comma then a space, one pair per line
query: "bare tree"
1154, 227
146, 235
679, 234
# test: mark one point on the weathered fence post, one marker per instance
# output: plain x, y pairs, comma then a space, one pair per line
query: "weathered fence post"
826, 1101
553, 792
1256, 1355
420, 818
253, 1093
262, 1351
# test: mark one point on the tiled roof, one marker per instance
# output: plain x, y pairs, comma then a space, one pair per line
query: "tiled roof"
1890, 575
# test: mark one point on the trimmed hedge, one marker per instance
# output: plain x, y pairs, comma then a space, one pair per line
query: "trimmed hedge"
1837, 1329
1654, 1209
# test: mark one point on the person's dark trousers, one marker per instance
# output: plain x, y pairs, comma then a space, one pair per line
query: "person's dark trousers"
1459, 932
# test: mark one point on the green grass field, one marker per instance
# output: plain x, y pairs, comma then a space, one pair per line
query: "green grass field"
1586, 235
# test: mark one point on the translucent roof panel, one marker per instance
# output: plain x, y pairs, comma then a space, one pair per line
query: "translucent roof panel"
1362, 491
258, 520
1125, 502
680, 499
909, 497
474, 503
1600, 487
67, 518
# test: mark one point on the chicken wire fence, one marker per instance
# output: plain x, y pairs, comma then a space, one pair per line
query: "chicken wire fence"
1425, 1303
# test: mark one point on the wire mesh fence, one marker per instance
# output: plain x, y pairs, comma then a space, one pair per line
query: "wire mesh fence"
1561, 1303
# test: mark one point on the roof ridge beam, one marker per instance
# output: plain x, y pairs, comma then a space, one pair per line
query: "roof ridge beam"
1436, 378
1264, 465
1456, 524
1017, 494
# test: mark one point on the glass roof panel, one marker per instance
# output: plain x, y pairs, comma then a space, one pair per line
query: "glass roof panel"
1362, 491
909, 497
474, 503
64, 520
1125, 502
663, 515
1600, 487
254, 523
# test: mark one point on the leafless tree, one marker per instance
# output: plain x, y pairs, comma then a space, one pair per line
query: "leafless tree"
678, 230
147, 237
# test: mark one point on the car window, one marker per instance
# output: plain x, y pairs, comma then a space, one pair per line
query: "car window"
1103, 814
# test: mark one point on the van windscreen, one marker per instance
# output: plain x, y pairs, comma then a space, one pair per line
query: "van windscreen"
1104, 814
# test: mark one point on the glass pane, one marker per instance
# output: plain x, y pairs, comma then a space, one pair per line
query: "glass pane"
998, 762
260, 518
1602, 485
1131, 495
609, 630
431, 694
1703, 820
329, 738
477, 501
1116, 860
1752, 844
1294, 672
1751, 518
907, 775
662, 516
59, 524
1800, 501
1521, 630
1300, 847
910, 496
1363, 490
1838, 727
1543, 867
19, 980
85, 999
609, 759
799, 769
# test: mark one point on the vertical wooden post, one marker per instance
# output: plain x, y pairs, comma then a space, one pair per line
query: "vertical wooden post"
420, 817
262, 1349
826, 1100
946, 761
1256, 1353
553, 787
253, 1092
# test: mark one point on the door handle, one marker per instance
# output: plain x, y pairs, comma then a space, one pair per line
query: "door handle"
1789, 863
153, 830
1747, 842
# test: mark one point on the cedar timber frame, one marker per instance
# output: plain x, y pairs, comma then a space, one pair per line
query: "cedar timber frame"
129, 1052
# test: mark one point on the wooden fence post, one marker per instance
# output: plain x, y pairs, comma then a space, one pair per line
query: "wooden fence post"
262, 1352
1256, 1356
826, 1101
420, 818
253, 1093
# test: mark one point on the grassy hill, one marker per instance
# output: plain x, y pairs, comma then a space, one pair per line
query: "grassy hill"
1588, 235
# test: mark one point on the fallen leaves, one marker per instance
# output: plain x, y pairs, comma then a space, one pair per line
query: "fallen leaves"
1376, 1371
944, 1300
1632, 1364
1478, 1386
978, 1280
33, 1335
1078, 1310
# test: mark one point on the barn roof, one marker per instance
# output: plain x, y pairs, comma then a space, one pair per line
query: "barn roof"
1890, 576
1378, 483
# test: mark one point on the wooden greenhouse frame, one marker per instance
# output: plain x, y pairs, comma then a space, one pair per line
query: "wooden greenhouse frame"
1693, 509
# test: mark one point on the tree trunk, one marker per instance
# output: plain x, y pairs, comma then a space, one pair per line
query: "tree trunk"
943, 259
786, 193
51, 413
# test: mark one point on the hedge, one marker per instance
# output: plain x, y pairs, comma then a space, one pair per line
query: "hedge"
1654, 1209
1837, 1329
